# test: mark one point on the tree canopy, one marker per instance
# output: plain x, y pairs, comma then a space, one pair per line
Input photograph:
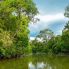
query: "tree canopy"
15, 15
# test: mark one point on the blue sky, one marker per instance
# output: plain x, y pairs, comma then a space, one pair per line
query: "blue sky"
51, 15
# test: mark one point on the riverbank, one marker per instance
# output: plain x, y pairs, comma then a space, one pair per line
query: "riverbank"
37, 54
36, 62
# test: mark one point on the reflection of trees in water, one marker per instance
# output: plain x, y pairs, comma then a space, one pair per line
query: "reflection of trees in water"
36, 62
39, 65
45, 62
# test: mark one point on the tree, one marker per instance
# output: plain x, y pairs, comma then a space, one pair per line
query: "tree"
65, 39
45, 34
15, 15
66, 14
67, 26
65, 33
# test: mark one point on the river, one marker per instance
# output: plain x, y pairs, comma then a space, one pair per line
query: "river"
36, 62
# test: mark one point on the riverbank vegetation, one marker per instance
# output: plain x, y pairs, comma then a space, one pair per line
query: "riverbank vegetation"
50, 43
15, 16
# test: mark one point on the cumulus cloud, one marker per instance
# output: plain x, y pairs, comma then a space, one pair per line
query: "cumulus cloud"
46, 21
32, 38
51, 18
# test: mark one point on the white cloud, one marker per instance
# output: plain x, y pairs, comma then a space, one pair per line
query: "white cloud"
46, 21
59, 32
32, 38
51, 18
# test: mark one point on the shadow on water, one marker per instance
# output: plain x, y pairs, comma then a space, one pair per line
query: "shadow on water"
36, 62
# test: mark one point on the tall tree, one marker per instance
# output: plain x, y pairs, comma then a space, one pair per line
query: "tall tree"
65, 33
15, 15
45, 34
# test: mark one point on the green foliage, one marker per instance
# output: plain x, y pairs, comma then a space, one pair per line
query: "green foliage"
67, 26
45, 34
15, 15
65, 38
53, 44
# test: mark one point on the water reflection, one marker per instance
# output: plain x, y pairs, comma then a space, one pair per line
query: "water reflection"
31, 66
36, 62
39, 65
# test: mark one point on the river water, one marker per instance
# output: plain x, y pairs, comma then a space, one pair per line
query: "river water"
36, 62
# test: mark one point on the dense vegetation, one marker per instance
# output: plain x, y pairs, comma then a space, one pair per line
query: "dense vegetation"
15, 15
50, 43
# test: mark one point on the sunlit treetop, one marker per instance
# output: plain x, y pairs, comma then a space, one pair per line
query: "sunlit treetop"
26, 7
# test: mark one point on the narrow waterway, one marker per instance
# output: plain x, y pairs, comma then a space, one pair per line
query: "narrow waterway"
36, 62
